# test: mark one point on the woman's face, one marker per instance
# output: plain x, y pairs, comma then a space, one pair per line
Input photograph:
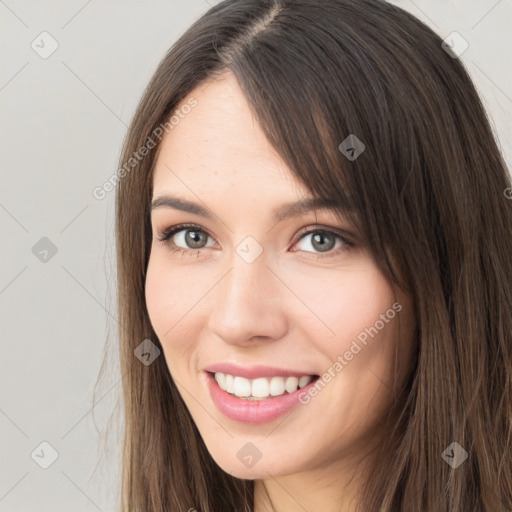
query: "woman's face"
254, 305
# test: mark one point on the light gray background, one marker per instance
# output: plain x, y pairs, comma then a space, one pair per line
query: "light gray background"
63, 119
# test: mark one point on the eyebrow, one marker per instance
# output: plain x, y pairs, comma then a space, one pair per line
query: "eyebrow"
282, 212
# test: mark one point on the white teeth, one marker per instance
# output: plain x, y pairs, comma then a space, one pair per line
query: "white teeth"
242, 387
260, 388
228, 384
276, 386
291, 384
220, 378
304, 381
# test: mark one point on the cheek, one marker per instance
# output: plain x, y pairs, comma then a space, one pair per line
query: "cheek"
342, 305
170, 292
168, 300
357, 335
158, 301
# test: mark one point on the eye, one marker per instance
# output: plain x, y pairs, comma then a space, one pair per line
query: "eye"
323, 241
184, 238
189, 239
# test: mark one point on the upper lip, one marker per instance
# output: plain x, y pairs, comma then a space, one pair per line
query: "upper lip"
254, 372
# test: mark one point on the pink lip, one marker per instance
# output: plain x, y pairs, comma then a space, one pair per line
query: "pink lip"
247, 411
253, 372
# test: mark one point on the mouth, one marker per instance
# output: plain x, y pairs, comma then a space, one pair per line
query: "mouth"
256, 393
257, 400
261, 388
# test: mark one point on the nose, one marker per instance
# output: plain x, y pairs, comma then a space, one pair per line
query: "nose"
249, 304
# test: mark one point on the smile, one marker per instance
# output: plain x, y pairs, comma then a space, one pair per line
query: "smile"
255, 395
260, 388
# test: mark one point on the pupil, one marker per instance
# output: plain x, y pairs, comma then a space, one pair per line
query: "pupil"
320, 238
193, 238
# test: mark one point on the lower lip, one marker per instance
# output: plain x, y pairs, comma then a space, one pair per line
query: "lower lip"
253, 411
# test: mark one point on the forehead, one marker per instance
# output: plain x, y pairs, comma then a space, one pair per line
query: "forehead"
219, 146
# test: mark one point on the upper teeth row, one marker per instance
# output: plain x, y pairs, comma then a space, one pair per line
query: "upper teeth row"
261, 387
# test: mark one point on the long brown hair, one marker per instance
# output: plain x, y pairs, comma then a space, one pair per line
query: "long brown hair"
429, 193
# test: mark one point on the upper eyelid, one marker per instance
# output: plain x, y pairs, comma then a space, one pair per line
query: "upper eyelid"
306, 230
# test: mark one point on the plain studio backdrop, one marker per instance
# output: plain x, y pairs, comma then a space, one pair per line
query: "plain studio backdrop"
71, 75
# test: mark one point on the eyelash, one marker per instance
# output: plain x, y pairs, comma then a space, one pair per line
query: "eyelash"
172, 230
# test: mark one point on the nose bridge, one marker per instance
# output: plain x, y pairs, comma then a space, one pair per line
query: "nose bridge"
248, 271
246, 301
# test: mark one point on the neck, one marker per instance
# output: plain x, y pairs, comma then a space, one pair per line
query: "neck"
331, 489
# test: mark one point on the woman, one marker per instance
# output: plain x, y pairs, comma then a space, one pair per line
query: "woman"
313, 242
